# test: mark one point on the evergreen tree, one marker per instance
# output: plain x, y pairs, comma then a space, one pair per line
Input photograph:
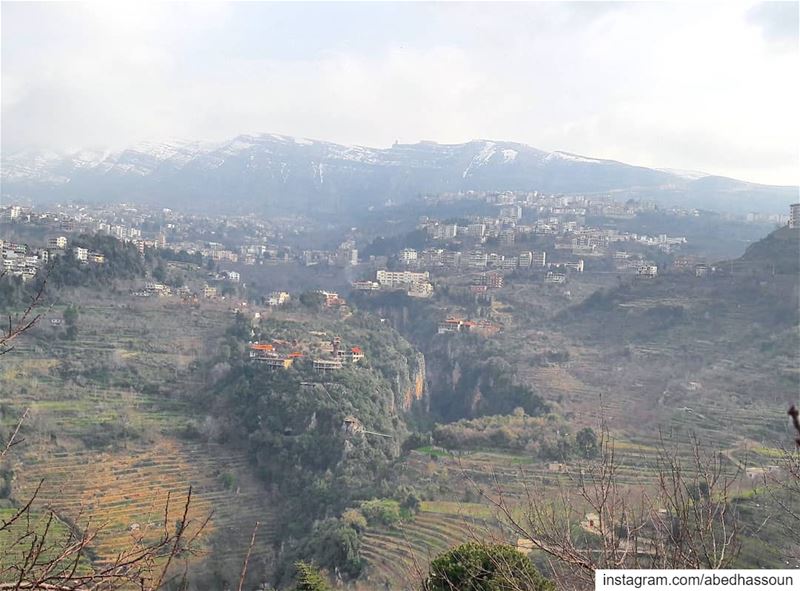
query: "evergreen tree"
309, 578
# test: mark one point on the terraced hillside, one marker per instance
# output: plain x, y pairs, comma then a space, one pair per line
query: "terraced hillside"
126, 491
397, 557
105, 424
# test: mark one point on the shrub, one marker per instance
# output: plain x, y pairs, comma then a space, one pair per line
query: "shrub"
484, 567
355, 519
381, 511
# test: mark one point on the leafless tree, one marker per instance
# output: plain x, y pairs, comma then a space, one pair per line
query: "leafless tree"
37, 554
782, 485
24, 321
594, 520
37, 551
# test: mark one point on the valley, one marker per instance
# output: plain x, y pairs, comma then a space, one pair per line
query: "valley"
371, 428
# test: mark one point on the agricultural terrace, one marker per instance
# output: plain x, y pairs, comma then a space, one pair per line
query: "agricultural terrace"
106, 424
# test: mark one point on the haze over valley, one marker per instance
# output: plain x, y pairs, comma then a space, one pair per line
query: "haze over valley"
265, 362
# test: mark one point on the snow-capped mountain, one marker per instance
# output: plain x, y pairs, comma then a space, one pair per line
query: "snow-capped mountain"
251, 171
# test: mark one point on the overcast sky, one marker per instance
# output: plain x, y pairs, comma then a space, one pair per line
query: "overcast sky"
711, 87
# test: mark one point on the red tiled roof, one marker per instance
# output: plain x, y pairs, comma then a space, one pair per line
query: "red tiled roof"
262, 347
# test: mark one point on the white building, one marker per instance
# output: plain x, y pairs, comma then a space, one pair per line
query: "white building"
794, 215
647, 271
277, 298
400, 278
59, 242
476, 230
82, 254
408, 255
420, 289
575, 266
552, 277
511, 212
477, 259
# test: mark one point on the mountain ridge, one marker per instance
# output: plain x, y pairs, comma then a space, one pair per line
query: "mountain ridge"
284, 173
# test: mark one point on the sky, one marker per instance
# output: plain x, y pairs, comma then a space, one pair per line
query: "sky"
702, 86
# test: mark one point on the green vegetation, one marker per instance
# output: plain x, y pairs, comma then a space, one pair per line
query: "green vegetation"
167, 393
14, 547
122, 261
547, 438
484, 567
381, 511
334, 545
776, 253
309, 578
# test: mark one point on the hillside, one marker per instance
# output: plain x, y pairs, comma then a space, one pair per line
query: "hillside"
779, 252
106, 424
281, 174
149, 396
659, 361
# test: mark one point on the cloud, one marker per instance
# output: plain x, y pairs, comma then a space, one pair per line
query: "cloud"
667, 85
779, 22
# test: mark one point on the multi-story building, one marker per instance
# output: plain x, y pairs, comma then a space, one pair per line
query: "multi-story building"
477, 259
331, 299
352, 355
494, 280
408, 255
511, 212
365, 285
475, 230
400, 278
326, 365
57, 242
420, 289
575, 266
509, 263
451, 259
647, 271
490, 280
794, 215
277, 298
553, 277
81, 254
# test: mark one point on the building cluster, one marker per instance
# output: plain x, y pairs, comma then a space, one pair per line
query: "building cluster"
20, 260
455, 325
326, 356
556, 227
277, 298
768, 218
415, 284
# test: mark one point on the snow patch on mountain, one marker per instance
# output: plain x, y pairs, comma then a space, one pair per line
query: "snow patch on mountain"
489, 149
509, 156
571, 157
353, 154
690, 175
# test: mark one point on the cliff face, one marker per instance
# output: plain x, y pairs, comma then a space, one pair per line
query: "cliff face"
410, 384
415, 391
